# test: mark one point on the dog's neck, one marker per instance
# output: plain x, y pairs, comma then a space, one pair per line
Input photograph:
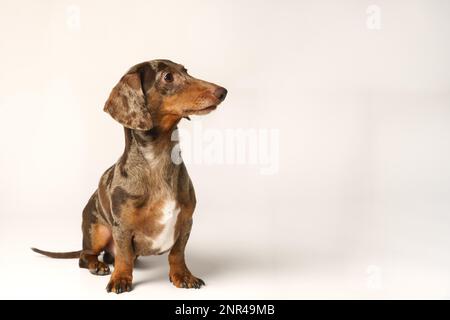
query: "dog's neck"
154, 145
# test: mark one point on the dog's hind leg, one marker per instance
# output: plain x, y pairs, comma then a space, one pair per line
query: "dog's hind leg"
108, 257
96, 237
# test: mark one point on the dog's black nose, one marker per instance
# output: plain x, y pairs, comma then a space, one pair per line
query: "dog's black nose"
220, 93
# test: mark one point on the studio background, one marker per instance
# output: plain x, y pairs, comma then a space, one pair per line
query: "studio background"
359, 206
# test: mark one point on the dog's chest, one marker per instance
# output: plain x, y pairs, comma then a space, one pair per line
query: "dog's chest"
169, 216
161, 214
161, 232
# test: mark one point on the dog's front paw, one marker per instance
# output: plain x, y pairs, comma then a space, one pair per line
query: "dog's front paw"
119, 284
186, 280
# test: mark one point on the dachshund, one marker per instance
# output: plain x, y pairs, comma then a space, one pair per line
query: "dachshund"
144, 203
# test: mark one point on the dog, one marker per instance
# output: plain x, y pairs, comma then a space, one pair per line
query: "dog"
144, 202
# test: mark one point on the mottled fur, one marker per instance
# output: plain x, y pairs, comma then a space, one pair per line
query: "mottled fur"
145, 192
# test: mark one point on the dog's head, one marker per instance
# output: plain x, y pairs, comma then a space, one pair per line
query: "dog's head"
159, 93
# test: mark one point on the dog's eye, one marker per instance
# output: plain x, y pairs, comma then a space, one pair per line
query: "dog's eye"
168, 77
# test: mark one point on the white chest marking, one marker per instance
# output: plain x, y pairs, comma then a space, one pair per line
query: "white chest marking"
165, 240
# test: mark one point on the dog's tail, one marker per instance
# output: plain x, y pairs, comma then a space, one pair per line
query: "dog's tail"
59, 255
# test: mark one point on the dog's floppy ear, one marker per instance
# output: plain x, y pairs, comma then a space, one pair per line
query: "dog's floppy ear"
127, 102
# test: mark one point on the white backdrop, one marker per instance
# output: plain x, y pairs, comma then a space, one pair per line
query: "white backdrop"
357, 93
